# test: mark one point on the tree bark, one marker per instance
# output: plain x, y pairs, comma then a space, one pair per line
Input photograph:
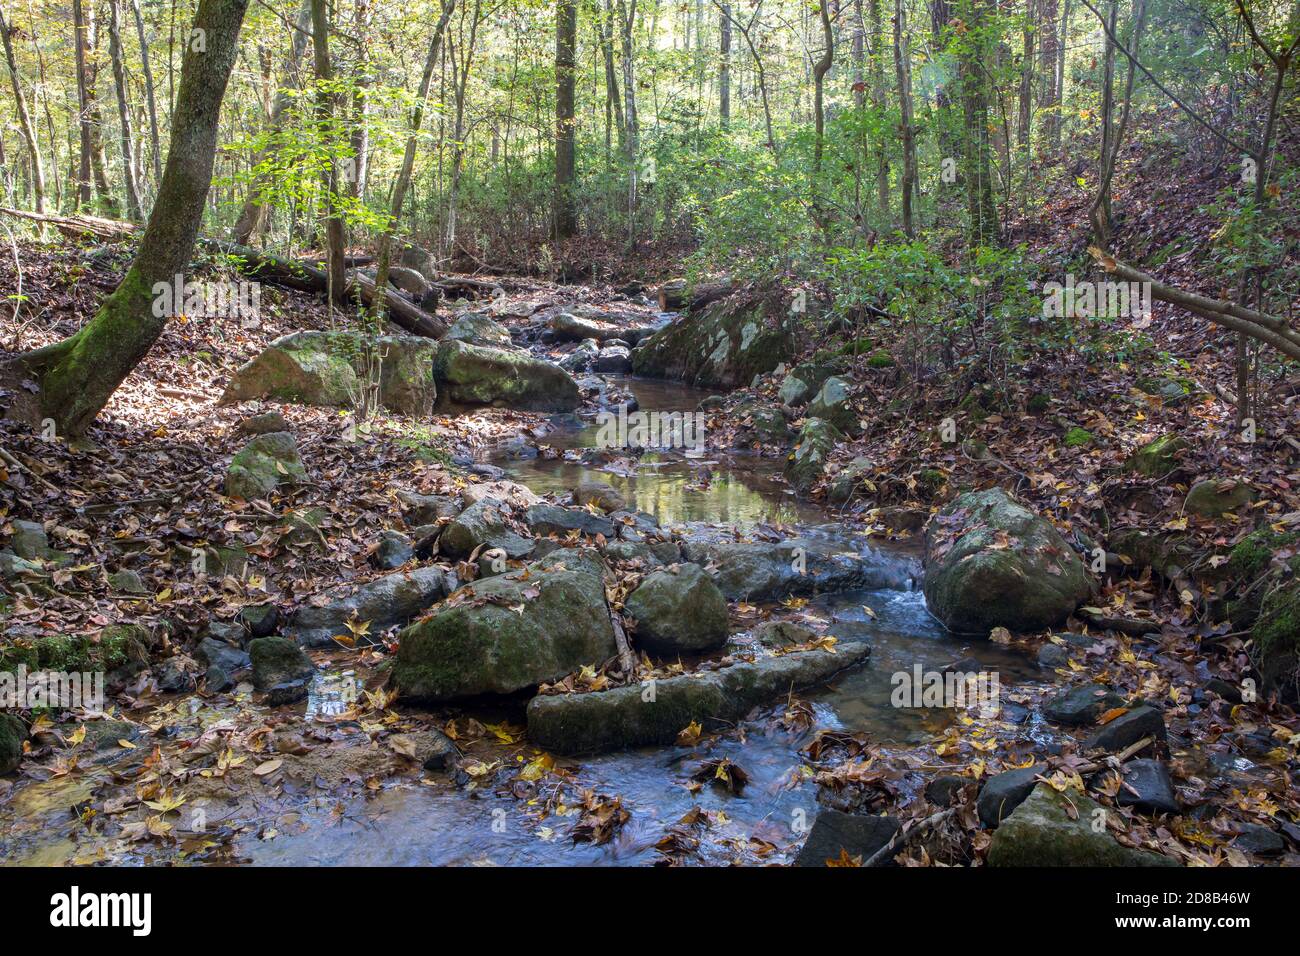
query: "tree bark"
566, 30
902, 68
80, 374
150, 100
24, 119
134, 208
403, 183
325, 111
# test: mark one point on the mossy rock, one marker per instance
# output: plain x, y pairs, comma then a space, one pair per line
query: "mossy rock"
478, 329
1253, 555
851, 479
1038, 404
1275, 647
13, 732
329, 368
278, 660
678, 610
263, 465
991, 562
807, 461
834, 404
724, 345
1214, 498
502, 634
1157, 458
1077, 437
881, 359
477, 375
1165, 552
118, 647
1051, 829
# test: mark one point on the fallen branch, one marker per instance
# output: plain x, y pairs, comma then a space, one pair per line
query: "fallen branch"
891, 849
1270, 329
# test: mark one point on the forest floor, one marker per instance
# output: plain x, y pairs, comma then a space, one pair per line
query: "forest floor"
147, 481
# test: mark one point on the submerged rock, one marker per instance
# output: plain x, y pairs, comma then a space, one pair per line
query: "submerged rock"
384, 602
478, 375
990, 562
599, 494
637, 716
502, 634
329, 368
264, 464
1048, 829
836, 835
678, 610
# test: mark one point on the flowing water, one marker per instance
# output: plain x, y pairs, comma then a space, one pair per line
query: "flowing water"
433, 821
442, 825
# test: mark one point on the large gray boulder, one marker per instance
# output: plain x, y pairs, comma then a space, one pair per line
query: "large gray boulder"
991, 562
724, 345
634, 716
505, 633
384, 602
678, 610
478, 329
478, 375
327, 368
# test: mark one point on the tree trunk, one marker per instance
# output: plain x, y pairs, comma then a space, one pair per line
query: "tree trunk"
80, 374
150, 100
253, 217
325, 103
902, 68
81, 48
134, 208
983, 217
24, 119
403, 183
566, 35
724, 68
820, 69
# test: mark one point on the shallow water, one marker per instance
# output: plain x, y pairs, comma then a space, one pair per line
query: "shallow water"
421, 825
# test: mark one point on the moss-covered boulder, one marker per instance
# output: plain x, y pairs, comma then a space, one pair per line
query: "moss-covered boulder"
264, 464
807, 460
1165, 552
12, 734
833, 403
678, 610
478, 375
1055, 829
991, 562
280, 669
1077, 437
329, 368
724, 345
119, 652
382, 603
476, 328
1216, 497
656, 713
762, 422
1157, 458
482, 525
806, 379
515, 630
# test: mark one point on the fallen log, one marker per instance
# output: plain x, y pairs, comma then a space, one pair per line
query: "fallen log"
262, 266
1270, 329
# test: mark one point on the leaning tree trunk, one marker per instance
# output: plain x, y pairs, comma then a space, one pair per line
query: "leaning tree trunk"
80, 374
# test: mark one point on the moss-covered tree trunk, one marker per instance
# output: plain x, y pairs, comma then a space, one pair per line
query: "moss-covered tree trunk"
80, 374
